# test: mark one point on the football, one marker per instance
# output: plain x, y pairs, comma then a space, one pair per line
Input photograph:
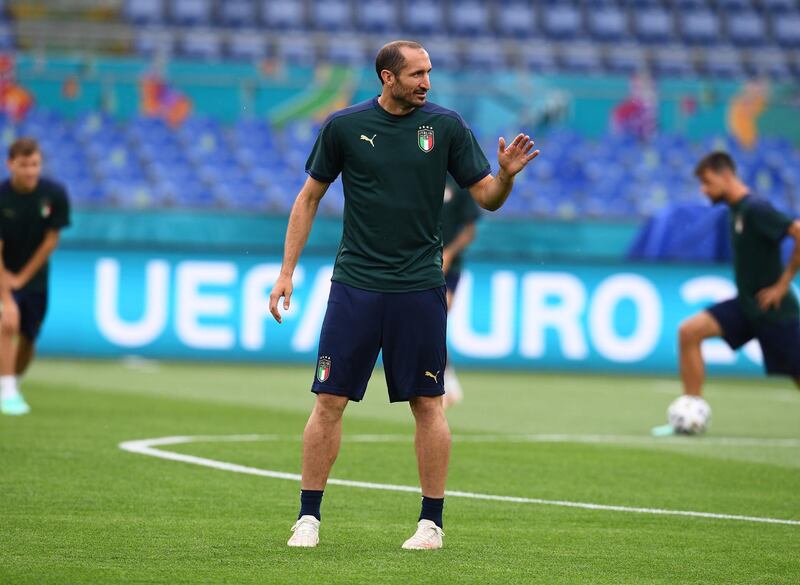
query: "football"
689, 415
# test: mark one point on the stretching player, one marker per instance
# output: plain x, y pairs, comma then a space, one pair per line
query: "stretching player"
765, 308
459, 216
393, 152
32, 212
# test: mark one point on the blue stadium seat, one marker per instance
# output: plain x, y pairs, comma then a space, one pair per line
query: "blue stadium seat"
724, 63
516, 19
747, 28
378, 16
580, 57
485, 53
779, 6
699, 27
607, 23
154, 40
443, 53
283, 14
562, 21
469, 18
424, 17
673, 61
247, 44
728, 6
238, 12
769, 61
786, 28
297, 50
331, 15
204, 43
144, 11
539, 58
625, 58
347, 50
653, 25
191, 12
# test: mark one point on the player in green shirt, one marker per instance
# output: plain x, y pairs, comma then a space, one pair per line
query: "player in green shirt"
33, 210
387, 291
459, 216
765, 308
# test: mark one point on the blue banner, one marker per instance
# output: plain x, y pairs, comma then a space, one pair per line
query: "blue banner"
565, 316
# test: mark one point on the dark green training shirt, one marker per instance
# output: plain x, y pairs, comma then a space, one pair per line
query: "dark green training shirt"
24, 220
393, 171
459, 211
757, 229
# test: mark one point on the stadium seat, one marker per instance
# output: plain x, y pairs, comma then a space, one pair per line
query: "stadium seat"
191, 12
424, 17
724, 63
238, 13
673, 60
607, 23
331, 15
625, 59
539, 58
728, 6
485, 53
747, 29
378, 16
699, 27
786, 28
204, 44
144, 12
283, 14
769, 61
444, 54
580, 57
562, 21
247, 44
347, 50
469, 18
516, 19
653, 25
779, 6
151, 41
297, 50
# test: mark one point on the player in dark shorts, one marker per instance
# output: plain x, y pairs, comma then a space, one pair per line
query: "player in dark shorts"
766, 308
393, 152
460, 213
33, 210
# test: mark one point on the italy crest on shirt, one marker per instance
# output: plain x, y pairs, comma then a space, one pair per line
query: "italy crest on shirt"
425, 138
47, 209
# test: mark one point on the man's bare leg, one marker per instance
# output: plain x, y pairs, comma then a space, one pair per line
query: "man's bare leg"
691, 335
321, 439
26, 350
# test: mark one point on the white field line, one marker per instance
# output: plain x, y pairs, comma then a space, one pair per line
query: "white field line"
149, 447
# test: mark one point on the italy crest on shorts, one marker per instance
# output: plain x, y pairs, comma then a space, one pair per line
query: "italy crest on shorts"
425, 138
324, 368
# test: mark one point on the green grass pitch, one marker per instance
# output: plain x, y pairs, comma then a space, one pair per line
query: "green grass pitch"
75, 508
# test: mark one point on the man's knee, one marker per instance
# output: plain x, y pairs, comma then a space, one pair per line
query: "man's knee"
427, 407
694, 330
330, 407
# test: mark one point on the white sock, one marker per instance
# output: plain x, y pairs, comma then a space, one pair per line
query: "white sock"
8, 387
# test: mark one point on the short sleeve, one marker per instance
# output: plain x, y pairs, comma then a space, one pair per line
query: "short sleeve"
768, 221
59, 212
466, 162
325, 161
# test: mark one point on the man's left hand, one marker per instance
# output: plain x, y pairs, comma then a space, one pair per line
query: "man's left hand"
771, 296
514, 157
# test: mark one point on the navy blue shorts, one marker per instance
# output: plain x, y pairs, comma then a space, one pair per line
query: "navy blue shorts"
779, 340
451, 281
32, 307
409, 327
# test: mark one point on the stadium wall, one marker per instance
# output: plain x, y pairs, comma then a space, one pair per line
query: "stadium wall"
600, 316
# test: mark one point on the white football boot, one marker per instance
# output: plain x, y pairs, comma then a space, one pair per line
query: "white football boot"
427, 536
305, 532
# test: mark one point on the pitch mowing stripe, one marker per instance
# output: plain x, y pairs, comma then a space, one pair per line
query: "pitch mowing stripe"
147, 447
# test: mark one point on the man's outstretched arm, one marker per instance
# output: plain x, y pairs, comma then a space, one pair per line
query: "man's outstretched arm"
300, 220
492, 191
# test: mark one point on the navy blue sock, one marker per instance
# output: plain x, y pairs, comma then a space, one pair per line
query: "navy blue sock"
310, 501
432, 510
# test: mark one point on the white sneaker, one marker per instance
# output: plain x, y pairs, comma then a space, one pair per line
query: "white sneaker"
305, 532
427, 536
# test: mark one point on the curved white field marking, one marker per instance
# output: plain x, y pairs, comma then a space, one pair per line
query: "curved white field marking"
149, 447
